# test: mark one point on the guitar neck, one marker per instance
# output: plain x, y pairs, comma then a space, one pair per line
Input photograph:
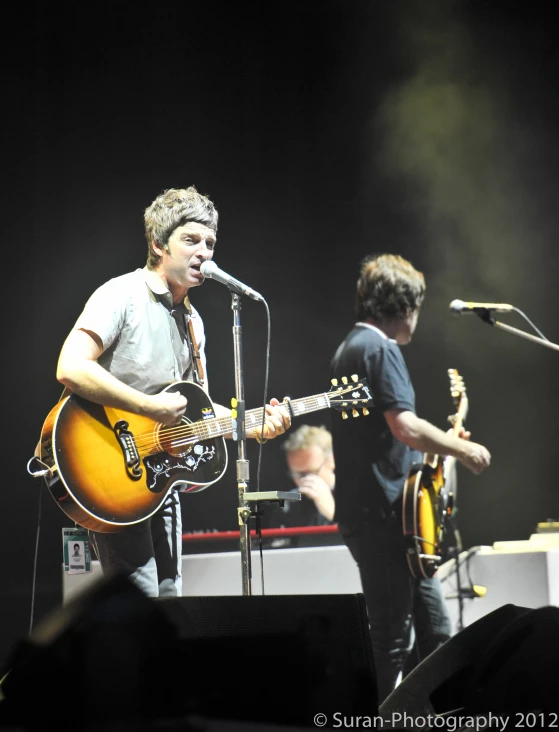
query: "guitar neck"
449, 461
220, 426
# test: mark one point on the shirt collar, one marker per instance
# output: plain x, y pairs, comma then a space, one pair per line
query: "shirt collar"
153, 281
377, 330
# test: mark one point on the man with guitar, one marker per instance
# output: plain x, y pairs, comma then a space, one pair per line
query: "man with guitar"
137, 335
373, 457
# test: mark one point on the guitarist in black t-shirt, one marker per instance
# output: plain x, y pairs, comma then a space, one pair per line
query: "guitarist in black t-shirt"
373, 457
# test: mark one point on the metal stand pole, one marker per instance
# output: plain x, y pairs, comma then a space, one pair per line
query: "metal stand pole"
244, 510
239, 434
457, 550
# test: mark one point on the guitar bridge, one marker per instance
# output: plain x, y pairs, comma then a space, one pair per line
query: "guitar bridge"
128, 446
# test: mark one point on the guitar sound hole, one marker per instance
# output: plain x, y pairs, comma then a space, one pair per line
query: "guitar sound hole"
173, 441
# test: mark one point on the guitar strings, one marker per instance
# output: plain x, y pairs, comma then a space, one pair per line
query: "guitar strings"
202, 429
182, 435
147, 443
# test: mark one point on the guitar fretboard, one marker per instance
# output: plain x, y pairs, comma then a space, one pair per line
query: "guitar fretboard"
219, 426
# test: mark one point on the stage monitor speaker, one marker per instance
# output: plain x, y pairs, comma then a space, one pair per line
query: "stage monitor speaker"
97, 658
112, 654
277, 658
518, 670
505, 662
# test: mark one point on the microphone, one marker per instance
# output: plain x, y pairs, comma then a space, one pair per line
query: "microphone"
211, 270
459, 306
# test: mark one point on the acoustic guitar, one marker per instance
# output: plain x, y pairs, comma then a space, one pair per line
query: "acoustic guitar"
109, 468
428, 501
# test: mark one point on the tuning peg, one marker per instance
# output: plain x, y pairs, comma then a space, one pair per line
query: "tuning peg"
344, 379
334, 382
234, 413
344, 415
354, 377
365, 411
233, 402
354, 413
345, 404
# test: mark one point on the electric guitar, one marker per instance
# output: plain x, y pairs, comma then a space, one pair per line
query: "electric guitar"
428, 501
109, 468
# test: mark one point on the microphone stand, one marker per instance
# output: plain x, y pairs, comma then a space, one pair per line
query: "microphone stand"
245, 510
486, 316
456, 551
239, 434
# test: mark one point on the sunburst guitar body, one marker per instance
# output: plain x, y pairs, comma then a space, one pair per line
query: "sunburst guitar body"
109, 468
428, 501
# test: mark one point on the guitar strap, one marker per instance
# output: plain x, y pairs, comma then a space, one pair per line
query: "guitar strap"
195, 359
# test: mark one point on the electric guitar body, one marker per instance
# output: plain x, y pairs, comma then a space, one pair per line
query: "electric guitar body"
428, 501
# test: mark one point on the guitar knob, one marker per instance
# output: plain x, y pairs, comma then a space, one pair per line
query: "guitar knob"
354, 413
344, 415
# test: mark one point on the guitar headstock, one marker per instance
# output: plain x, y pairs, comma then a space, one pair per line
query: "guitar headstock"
458, 392
350, 394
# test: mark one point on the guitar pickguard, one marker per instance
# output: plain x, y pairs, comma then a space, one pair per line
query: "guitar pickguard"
162, 466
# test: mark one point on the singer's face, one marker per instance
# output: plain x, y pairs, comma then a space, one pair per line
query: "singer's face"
188, 247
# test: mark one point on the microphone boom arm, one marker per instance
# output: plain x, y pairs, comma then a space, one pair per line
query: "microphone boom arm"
490, 320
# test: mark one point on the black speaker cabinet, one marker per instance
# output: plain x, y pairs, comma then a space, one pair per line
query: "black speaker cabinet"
111, 654
276, 658
504, 663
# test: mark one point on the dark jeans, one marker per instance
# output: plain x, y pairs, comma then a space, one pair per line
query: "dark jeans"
148, 552
399, 607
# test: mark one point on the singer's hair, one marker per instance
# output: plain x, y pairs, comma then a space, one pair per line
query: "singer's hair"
175, 207
388, 288
308, 436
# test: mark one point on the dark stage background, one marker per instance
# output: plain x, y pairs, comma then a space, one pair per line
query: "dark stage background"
324, 131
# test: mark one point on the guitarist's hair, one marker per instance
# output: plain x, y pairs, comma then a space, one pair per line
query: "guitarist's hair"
388, 287
175, 207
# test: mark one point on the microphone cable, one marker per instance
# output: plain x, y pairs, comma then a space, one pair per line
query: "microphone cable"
259, 464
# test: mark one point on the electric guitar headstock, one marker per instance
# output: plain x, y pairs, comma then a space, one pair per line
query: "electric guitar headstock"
347, 395
458, 393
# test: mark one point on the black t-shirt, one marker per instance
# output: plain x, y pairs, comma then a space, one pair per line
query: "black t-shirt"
371, 464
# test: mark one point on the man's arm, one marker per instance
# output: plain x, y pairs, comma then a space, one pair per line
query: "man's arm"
421, 435
79, 370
